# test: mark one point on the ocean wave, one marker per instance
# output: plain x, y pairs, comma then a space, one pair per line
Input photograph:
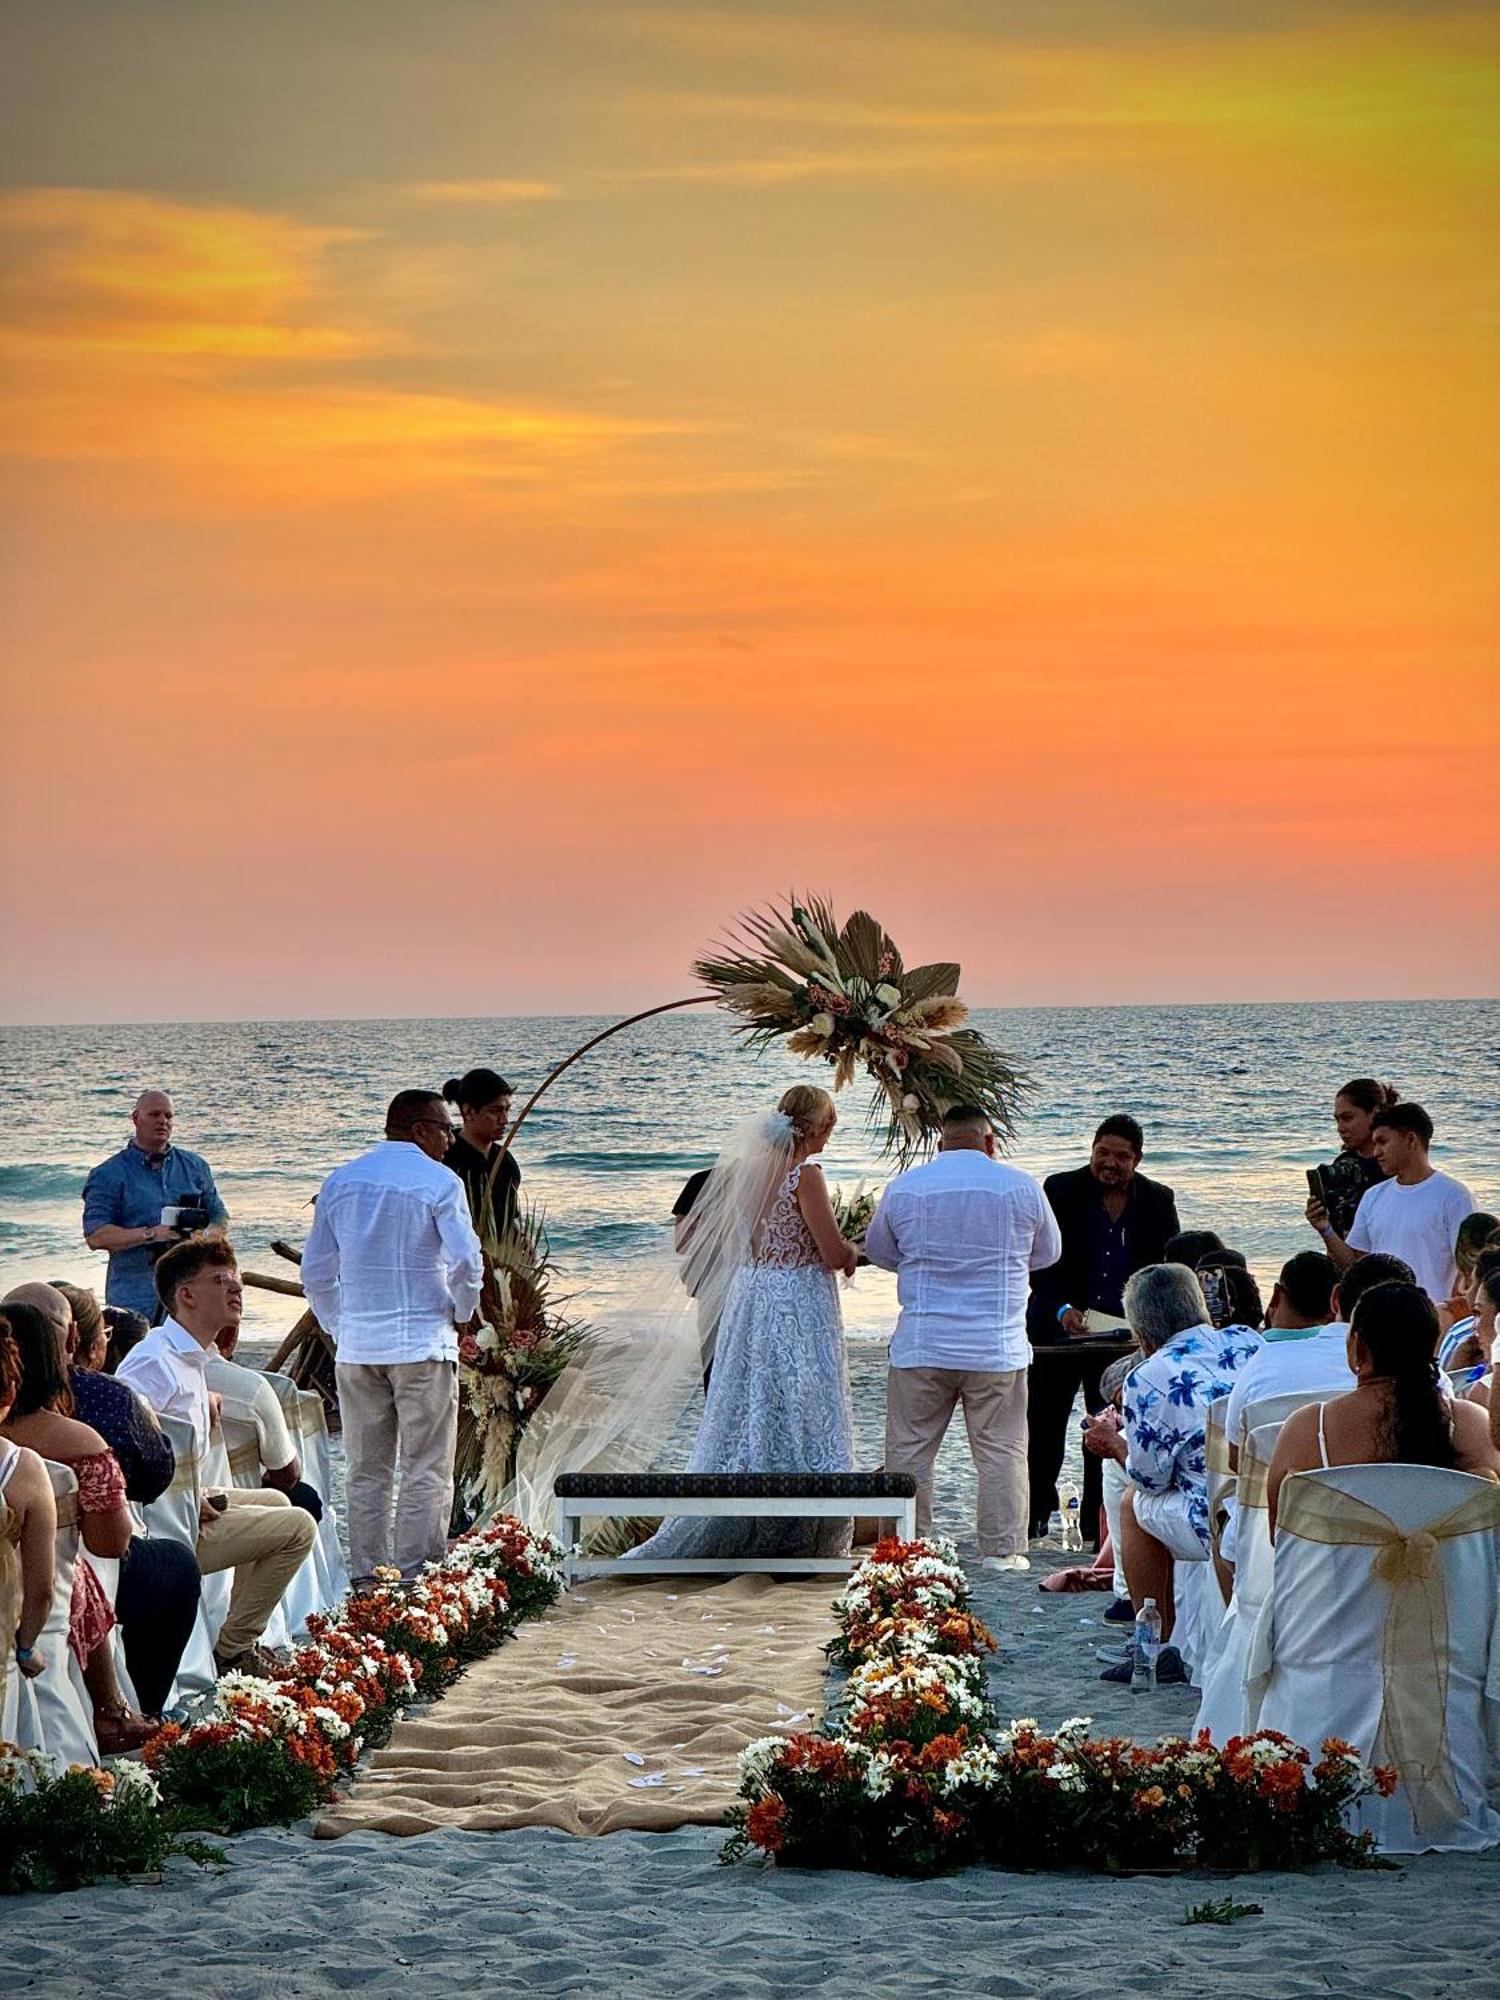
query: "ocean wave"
628, 1163
34, 1180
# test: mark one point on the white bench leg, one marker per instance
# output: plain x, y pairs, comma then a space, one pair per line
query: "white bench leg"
565, 1536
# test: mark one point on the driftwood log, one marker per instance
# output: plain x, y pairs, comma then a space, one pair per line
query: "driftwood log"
306, 1354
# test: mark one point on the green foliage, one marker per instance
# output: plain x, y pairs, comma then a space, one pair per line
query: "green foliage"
69, 1831
1224, 1911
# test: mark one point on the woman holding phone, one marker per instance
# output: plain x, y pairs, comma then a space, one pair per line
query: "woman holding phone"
1334, 1191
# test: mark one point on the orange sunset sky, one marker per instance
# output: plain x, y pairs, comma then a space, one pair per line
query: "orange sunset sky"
493, 489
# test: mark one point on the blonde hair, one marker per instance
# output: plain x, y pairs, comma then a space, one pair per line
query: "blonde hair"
808, 1107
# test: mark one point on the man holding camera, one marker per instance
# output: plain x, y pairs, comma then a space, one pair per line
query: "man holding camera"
148, 1195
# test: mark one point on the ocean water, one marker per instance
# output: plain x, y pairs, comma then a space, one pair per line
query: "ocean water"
1236, 1102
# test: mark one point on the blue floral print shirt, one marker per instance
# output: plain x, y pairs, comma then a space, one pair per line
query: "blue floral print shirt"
1166, 1403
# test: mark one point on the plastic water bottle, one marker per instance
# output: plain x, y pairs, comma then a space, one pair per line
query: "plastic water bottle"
1055, 1530
1072, 1511
1147, 1647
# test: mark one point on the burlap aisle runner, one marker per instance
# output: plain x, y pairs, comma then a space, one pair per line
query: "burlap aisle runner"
626, 1706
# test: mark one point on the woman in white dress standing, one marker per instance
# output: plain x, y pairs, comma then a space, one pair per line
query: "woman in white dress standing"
778, 1398
755, 1259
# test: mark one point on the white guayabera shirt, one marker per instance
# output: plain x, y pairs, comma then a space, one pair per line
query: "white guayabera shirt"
963, 1235
393, 1264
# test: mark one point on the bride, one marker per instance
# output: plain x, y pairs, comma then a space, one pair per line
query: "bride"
778, 1393
758, 1256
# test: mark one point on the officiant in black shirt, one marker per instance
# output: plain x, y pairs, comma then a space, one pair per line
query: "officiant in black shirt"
1114, 1222
484, 1101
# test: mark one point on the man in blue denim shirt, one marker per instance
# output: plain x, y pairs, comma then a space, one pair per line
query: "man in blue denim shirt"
124, 1196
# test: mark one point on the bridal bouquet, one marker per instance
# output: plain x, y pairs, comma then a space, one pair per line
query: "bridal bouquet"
842, 994
520, 1343
852, 1212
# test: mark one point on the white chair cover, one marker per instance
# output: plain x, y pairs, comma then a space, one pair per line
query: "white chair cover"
1381, 1629
174, 1516
307, 1420
1222, 1711
53, 1714
1276, 1409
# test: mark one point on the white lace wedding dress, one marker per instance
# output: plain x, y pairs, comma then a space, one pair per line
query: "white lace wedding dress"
778, 1399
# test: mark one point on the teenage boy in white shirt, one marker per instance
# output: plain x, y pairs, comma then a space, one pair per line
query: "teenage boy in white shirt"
1414, 1213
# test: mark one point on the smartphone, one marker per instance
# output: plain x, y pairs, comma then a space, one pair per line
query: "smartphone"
1315, 1185
218, 1501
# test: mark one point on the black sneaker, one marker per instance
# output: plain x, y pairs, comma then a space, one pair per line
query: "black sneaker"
1120, 1612
1170, 1670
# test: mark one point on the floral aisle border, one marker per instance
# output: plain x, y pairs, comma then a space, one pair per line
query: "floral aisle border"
269, 1751
917, 1776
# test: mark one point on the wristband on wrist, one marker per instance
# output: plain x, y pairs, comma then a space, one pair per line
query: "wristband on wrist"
1062, 1313
25, 1653
1325, 1230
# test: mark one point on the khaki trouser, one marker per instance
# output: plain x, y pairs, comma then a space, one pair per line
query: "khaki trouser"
919, 1405
405, 1409
265, 1541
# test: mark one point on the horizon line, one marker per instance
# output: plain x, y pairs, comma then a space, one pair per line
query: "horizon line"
709, 1000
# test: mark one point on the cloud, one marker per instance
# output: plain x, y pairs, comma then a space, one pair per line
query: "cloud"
484, 193
102, 269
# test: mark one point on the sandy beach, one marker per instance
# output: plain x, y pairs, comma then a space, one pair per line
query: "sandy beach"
536, 1911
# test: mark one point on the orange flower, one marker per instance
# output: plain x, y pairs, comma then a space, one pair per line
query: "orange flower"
1150, 1799
765, 1822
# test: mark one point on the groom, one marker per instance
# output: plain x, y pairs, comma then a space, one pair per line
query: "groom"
963, 1234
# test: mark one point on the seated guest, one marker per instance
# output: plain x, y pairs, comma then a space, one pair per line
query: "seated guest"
89, 1340
256, 1533
127, 1425
1187, 1364
1113, 1221
156, 1601
1478, 1350
1303, 1346
38, 1420
1397, 1414
1414, 1213
126, 1329
28, 1532
1231, 1294
1200, 1246
1478, 1237
246, 1394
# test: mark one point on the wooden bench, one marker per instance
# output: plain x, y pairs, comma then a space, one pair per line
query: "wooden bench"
748, 1494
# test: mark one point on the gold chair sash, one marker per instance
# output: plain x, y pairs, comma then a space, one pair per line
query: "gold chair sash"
1413, 1731
244, 1457
1216, 1449
1255, 1473
185, 1478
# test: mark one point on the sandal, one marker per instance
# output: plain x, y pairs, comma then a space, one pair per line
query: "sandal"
123, 1731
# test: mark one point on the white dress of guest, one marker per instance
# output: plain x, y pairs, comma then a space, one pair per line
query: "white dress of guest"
778, 1399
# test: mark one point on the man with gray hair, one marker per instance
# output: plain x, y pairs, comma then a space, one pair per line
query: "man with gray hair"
148, 1195
1187, 1364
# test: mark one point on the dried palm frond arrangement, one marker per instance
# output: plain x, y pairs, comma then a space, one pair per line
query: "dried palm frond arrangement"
842, 993
523, 1339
